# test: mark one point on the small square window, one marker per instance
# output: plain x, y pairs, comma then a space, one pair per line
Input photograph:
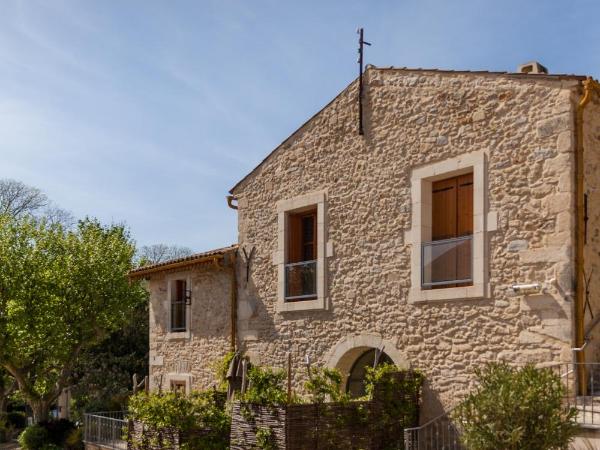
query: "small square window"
178, 386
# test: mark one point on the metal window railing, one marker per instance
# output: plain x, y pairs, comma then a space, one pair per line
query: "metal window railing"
178, 315
106, 429
301, 280
447, 261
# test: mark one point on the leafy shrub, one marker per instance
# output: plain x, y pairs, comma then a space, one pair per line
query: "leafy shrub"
33, 437
325, 385
265, 440
74, 440
17, 419
3, 428
198, 416
265, 387
51, 447
221, 367
516, 409
58, 430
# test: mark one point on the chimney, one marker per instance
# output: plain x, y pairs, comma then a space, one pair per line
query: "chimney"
532, 67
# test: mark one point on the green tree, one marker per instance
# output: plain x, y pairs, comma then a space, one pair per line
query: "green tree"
7, 386
516, 409
102, 377
61, 292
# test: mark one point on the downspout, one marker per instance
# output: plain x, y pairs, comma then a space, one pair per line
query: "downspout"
233, 300
580, 339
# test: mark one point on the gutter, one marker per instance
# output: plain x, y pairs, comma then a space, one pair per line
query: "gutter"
233, 301
589, 85
232, 266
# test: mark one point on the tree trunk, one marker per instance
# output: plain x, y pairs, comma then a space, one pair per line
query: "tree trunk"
41, 410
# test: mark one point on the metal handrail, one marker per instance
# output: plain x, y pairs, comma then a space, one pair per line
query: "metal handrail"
466, 237
428, 244
301, 263
312, 295
102, 429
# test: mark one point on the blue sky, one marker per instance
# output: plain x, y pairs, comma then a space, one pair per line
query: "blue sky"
147, 112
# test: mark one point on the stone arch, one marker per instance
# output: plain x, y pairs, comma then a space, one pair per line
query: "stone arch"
343, 355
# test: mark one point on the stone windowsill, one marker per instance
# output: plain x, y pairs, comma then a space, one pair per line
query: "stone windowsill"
173, 335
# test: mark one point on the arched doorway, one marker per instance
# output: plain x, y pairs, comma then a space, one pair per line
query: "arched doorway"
344, 355
355, 385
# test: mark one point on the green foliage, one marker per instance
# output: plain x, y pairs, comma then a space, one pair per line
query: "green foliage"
51, 447
516, 409
61, 292
74, 440
265, 387
265, 440
58, 430
17, 419
33, 437
325, 385
221, 367
102, 376
397, 391
199, 411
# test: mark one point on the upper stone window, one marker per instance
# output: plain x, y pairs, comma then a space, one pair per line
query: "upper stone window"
447, 259
179, 302
301, 264
301, 253
449, 225
179, 305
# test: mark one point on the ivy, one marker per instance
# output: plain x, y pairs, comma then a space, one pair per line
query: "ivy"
265, 440
325, 385
199, 417
221, 367
266, 387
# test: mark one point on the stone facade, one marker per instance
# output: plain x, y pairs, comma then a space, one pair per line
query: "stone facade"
190, 357
520, 129
525, 127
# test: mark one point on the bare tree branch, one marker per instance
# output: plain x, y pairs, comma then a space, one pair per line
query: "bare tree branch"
17, 198
157, 253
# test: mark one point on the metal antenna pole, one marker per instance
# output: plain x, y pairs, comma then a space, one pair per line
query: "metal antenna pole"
361, 44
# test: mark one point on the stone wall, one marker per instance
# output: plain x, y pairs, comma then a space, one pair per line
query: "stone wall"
526, 128
210, 333
591, 144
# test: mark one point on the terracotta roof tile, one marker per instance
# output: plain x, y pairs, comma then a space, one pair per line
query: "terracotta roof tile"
181, 262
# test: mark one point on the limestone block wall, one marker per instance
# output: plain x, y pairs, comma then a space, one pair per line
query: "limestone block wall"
191, 358
591, 144
524, 125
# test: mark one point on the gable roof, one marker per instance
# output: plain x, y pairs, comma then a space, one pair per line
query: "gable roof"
185, 261
518, 75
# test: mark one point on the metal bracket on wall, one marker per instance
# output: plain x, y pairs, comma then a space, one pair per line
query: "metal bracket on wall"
587, 304
247, 259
